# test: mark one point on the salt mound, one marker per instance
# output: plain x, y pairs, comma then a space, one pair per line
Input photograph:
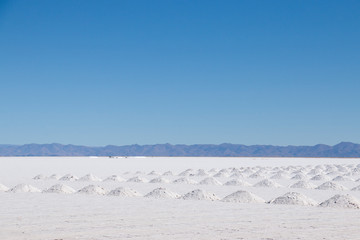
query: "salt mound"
293, 198
267, 183
159, 180
299, 176
114, 178
243, 197
186, 173
342, 201
237, 175
342, 178
90, 177
168, 173
303, 184
201, 173
280, 176
353, 189
199, 194
210, 181
333, 173
21, 188
137, 180
39, 177
221, 174
315, 171
69, 177
320, 177
59, 188
331, 186
92, 189
54, 177
3, 188
256, 175
237, 182
184, 180
124, 192
154, 173
162, 193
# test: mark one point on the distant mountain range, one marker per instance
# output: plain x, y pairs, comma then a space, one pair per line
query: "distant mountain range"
344, 149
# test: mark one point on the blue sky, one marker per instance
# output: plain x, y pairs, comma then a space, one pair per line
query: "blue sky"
181, 72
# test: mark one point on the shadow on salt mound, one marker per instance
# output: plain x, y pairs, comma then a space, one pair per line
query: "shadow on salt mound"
237, 182
159, 180
124, 192
256, 175
3, 188
280, 176
299, 176
39, 177
267, 183
90, 177
92, 190
168, 173
114, 178
342, 179
221, 175
303, 184
153, 173
55, 177
185, 173
357, 188
69, 177
184, 180
243, 197
59, 188
22, 188
237, 175
137, 180
341, 201
331, 186
201, 173
320, 177
162, 193
294, 198
199, 194
210, 181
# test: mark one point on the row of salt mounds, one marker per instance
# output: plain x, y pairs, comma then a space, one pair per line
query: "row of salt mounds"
341, 201
293, 198
267, 183
237, 182
159, 180
22, 188
199, 194
184, 180
303, 184
210, 181
124, 192
114, 178
3, 188
162, 193
243, 197
59, 188
92, 190
331, 186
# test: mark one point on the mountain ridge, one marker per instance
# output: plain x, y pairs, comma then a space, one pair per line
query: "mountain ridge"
343, 149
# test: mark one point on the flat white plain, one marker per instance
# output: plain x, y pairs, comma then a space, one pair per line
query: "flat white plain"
84, 216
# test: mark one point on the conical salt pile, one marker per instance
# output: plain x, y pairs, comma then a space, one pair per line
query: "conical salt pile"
237, 182
168, 173
201, 173
357, 188
267, 183
55, 177
22, 188
39, 177
342, 179
280, 176
184, 180
159, 180
114, 178
92, 190
210, 181
243, 197
341, 201
124, 192
299, 176
162, 193
199, 194
331, 186
303, 184
320, 177
59, 188
137, 180
90, 177
293, 198
69, 177
153, 173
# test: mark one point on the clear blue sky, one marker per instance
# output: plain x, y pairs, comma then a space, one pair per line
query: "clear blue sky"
181, 72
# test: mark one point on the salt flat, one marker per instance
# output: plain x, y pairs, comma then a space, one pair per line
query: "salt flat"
94, 215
